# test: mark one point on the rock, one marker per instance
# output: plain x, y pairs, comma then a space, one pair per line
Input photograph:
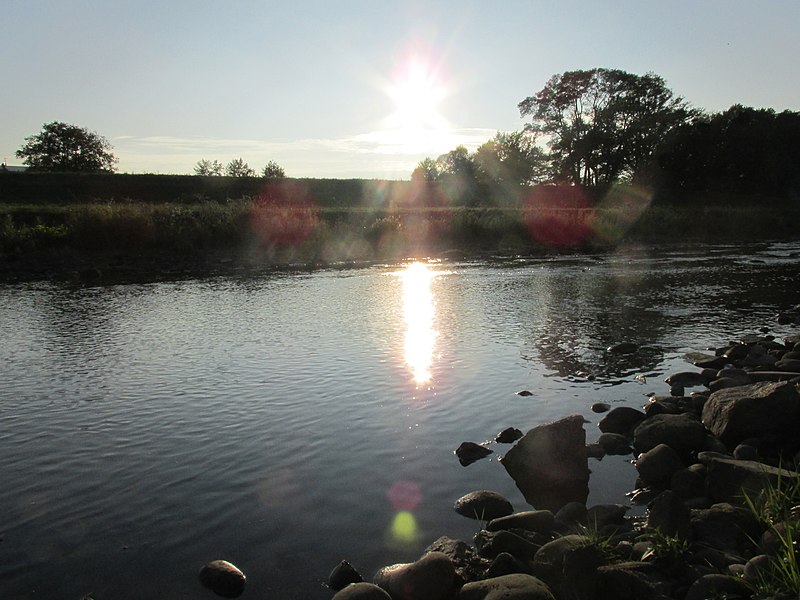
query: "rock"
614, 444
657, 465
741, 376
686, 379
734, 414
362, 591
505, 564
729, 480
524, 393
549, 464
756, 567
774, 375
669, 515
571, 514
223, 578
788, 364
622, 420
517, 586
343, 575
508, 436
483, 505
600, 515
468, 565
540, 521
469, 452
726, 527
548, 563
745, 452
626, 581
622, 348
716, 585
689, 482
723, 383
601, 407
682, 433
513, 544
579, 581
432, 577
595, 451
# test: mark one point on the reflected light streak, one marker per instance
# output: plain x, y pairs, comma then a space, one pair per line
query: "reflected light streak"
418, 310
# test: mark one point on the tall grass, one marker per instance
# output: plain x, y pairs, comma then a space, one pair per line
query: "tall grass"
308, 233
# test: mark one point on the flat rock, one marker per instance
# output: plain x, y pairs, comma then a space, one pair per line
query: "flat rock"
622, 348
516, 586
508, 436
549, 464
686, 379
540, 521
729, 479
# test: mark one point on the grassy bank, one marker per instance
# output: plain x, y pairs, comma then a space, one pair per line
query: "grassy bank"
275, 232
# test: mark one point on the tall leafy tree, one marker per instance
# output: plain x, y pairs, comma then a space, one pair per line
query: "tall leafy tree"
273, 170
62, 147
511, 159
603, 124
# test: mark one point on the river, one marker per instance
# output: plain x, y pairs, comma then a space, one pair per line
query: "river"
287, 421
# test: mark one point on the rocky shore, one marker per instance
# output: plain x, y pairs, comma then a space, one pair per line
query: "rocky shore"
717, 470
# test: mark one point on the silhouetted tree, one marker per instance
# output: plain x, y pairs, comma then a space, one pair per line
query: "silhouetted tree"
603, 124
273, 170
427, 170
511, 159
63, 147
207, 168
238, 168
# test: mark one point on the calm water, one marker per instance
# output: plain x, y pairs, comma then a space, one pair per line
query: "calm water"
287, 422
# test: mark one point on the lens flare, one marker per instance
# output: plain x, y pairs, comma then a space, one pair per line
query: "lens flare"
404, 529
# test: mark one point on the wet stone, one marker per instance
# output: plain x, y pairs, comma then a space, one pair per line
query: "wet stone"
469, 452
222, 578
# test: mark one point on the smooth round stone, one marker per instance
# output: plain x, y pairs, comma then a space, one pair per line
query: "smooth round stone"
343, 575
483, 505
223, 578
362, 591
432, 577
601, 407
516, 586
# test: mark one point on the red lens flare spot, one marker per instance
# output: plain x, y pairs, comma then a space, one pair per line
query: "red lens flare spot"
284, 214
404, 495
559, 215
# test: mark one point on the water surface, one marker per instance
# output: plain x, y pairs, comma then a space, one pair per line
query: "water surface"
285, 422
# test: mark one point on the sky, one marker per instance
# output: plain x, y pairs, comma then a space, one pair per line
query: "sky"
359, 89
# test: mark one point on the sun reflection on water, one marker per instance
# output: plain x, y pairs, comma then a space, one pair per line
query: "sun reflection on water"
418, 311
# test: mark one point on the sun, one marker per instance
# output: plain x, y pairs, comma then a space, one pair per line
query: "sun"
417, 92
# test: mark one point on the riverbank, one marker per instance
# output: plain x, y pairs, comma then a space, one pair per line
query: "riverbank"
717, 470
131, 239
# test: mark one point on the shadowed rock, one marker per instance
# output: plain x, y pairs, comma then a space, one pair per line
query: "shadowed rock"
734, 414
517, 586
222, 578
362, 591
483, 505
432, 577
469, 452
549, 464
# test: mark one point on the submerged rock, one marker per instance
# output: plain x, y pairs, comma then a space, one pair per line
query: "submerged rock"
549, 464
622, 348
469, 452
223, 578
508, 436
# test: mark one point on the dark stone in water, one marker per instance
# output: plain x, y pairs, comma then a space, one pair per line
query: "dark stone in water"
223, 578
524, 393
343, 575
469, 452
483, 505
508, 436
601, 407
622, 348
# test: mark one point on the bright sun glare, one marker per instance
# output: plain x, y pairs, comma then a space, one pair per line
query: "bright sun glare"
417, 91
418, 309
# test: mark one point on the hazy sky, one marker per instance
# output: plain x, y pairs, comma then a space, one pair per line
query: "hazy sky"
359, 89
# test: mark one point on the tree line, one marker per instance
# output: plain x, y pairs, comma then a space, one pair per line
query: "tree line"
597, 127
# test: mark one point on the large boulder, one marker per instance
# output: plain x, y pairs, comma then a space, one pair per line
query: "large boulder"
517, 586
432, 577
657, 465
549, 464
736, 413
680, 432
